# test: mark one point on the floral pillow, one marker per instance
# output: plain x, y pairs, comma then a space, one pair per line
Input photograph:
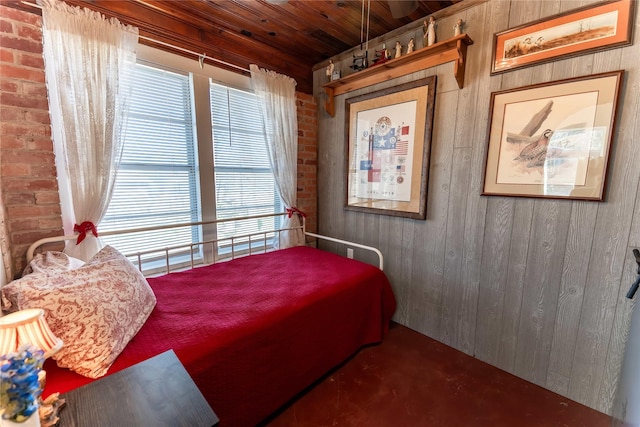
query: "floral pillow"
95, 309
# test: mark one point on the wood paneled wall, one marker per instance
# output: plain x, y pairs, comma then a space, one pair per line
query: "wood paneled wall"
533, 286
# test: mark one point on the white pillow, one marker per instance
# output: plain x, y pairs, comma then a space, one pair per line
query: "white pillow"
51, 262
95, 309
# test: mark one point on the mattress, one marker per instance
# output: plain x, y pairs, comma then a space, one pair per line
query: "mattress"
256, 331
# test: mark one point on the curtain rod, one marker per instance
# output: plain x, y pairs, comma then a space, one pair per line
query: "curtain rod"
201, 56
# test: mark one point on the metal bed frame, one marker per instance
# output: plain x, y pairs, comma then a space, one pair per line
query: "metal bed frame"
264, 237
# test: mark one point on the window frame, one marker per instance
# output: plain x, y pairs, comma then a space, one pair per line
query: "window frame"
200, 79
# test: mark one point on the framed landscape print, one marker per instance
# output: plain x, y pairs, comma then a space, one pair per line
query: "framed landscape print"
595, 27
552, 139
388, 148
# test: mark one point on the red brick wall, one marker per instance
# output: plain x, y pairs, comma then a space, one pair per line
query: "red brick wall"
308, 158
27, 164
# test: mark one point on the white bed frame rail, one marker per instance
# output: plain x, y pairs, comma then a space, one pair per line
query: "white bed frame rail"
167, 250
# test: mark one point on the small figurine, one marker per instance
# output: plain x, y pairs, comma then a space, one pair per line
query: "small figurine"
49, 409
429, 30
410, 46
330, 68
398, 50
457, 29
360, 62
381, 56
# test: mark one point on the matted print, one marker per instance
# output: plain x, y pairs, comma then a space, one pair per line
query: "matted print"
595, 27
552, 139
389, 139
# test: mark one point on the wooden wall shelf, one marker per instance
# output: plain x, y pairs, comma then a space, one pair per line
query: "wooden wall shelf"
454, 49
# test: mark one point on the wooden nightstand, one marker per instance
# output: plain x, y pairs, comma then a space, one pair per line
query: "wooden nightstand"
156, 392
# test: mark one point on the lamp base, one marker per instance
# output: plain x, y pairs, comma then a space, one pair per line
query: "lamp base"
32, 421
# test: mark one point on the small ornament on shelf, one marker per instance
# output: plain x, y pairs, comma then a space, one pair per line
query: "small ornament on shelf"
429, 29
457, 28
332, 73
411, 46
381, 56
330, 69
360, 62
398, 50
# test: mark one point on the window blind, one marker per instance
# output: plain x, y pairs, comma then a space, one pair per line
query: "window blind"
244, 182
157, 179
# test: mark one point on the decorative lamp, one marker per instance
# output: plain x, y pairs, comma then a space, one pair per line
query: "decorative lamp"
27, 327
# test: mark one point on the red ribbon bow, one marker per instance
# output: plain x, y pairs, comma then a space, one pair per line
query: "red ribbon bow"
292, 210
82, 230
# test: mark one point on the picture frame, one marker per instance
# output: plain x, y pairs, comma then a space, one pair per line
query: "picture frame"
388, 134
595, 27
552, 140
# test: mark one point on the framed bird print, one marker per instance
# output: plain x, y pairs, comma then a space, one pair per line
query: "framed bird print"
552, 139
388, 148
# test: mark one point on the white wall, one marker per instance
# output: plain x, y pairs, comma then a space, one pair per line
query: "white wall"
3, 279
627, 408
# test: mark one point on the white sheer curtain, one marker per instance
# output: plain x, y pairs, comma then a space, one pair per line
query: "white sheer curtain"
6, 272
89, 61
277, 94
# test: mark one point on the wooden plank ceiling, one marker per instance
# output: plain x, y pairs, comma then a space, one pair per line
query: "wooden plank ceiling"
289, 37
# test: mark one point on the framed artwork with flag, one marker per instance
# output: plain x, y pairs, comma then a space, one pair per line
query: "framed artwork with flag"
388, 148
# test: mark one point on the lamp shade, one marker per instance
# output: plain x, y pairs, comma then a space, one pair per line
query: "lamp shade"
27, 327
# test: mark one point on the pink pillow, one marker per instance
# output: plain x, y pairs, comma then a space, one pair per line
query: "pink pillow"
95, 309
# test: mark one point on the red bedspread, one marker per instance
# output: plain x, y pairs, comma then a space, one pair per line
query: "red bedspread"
254, 332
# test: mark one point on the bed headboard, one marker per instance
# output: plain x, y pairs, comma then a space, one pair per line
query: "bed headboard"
137, 257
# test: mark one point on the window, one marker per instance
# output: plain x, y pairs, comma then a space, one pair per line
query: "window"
159, 181
244, 183
156, 181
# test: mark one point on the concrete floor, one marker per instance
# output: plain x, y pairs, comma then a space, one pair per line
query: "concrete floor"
412, 380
